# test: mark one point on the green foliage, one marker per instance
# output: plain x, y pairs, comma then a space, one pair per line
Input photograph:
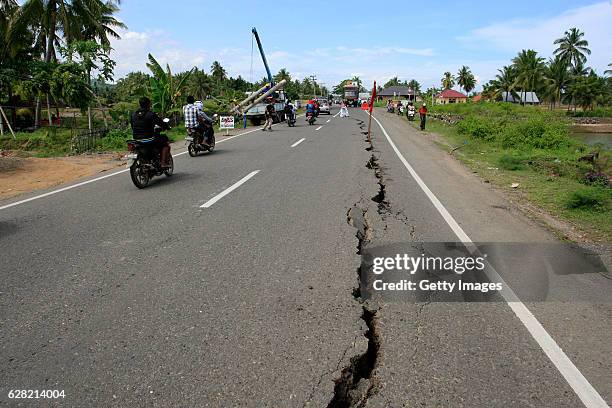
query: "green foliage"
69, 83
511, 162
478, 127
45, 142
120, 111
594, 199
536, 133
165, 88
131, 87
114, 140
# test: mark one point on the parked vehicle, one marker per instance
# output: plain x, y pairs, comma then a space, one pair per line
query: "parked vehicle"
144, 161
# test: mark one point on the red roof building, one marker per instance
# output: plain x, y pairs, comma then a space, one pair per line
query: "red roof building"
450, 96
477, 98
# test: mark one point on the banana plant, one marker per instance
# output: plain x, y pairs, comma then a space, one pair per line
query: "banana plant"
165, 90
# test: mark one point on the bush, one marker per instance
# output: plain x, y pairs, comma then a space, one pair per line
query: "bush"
478, 128
536, 133
114, 140
588, 199
511, 162
120, 112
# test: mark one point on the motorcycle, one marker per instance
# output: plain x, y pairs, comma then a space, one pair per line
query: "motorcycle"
410, 113
291, 119
192, 138
310, 117
144, 161
400, 110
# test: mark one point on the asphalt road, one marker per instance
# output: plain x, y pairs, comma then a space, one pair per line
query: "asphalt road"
125, 297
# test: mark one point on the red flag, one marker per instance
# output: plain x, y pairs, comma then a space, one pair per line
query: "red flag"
373, 97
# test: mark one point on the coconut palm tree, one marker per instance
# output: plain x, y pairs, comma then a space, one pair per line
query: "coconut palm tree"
448, 81
504, 81
608, 71
93, 20
529, 69
466, 79
282, 74
558, 78
415, 86
573, 47
217, 71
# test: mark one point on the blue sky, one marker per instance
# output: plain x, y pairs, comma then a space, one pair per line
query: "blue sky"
336, 39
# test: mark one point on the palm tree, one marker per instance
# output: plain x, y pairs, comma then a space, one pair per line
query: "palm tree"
415, 86
558, 78
608, 71
392, 82
93, 20
529, 69
282, 74
504, 81
217, 71
573, 47
448, 81
49, 20
466, 79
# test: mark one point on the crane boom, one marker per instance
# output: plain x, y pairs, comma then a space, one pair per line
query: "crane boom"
263, 57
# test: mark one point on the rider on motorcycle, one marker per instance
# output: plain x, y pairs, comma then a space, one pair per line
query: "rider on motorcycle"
310, 108
290, 111
144, 124
194, 119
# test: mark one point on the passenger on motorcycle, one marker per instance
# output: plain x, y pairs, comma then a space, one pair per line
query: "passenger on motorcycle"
144, 123
195, 119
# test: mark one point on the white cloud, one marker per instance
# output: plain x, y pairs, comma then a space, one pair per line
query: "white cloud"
331, 64
539, 33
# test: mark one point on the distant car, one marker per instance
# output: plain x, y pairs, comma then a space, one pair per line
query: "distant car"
324, 106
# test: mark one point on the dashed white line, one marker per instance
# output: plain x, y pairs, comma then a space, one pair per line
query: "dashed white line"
336, 114
581, 386
319, 127
59, 190
328, 120
228, 190
298, 142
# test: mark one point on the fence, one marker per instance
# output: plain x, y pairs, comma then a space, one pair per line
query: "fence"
86, 141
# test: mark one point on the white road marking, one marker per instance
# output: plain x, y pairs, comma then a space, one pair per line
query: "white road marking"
298, 142
319, 127
328, 120
228, 190
581, 386
336, 114
59, 190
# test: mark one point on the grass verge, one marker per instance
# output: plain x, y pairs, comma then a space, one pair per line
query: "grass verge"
552, 170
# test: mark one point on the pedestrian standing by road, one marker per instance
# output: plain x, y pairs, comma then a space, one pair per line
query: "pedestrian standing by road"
343, 110
270, 113
423, 115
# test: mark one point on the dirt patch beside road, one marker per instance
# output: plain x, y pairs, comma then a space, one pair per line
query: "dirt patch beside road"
22, 175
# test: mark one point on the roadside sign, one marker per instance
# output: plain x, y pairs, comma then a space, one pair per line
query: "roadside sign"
226, 122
